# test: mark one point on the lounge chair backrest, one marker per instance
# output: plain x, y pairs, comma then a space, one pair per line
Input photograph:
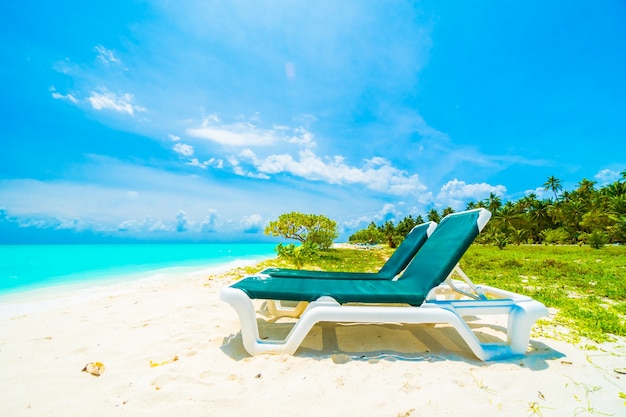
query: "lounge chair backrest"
403, 254
443, 249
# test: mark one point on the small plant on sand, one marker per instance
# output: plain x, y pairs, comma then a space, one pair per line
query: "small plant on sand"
588, 408
481, 385
535, 409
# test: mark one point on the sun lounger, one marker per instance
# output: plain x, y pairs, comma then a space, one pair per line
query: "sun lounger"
422, 294
394, 265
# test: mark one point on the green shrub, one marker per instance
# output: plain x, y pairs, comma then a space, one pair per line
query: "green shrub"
298, 255
555, 236
595, 239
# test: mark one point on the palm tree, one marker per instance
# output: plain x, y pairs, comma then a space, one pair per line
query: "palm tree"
433, 216
585, 188
572, 214
404, 226
531, 197
553, 184
614, 189
446, 211
388, 230
493, 202
617, 204
539, 217
506, 218
579, 213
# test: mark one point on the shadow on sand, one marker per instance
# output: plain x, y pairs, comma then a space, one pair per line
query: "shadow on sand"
343, 343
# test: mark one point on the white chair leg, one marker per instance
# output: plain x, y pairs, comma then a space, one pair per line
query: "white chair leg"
522, 317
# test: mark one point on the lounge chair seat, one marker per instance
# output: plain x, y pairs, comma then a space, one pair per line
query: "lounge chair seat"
424, 293
398, 261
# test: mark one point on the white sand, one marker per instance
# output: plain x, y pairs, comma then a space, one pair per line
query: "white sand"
46, 339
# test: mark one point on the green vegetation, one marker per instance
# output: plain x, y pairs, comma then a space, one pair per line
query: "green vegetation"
586, 215
388, 233
315, 233
298, 255
347, 260
586, 286
313, 229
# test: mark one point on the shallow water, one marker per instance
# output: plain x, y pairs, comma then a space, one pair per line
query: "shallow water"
25, 267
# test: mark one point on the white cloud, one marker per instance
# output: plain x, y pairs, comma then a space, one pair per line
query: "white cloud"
71, 224
239, 170
376, 174
239, 134
210, 118
302, 137
58, 96
187, 151
194, 162
457, 193
387, 212
249, 134
606, 176
252, 223
183, 149
52, 222
174, 138
121, 199
161, 226
108, 100
182, 223
209, 224
128, 225
216, 162
540, 192
39, 223
148, 224
212, 162
106, 56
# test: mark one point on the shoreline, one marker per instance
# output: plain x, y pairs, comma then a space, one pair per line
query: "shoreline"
28, 299
32, 267
171, 346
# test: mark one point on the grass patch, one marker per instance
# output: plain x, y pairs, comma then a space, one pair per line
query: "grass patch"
335, 259
586, 286
342, 259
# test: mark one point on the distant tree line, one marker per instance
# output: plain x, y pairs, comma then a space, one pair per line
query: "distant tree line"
585, 215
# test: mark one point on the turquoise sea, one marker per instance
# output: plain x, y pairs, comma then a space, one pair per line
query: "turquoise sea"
24, 267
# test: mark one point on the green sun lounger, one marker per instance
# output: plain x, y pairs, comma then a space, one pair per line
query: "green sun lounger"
394, 265
420, 295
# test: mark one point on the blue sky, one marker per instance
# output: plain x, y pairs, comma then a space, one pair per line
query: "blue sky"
155, 120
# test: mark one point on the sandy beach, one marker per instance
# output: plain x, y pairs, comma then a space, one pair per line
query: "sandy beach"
171, 347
